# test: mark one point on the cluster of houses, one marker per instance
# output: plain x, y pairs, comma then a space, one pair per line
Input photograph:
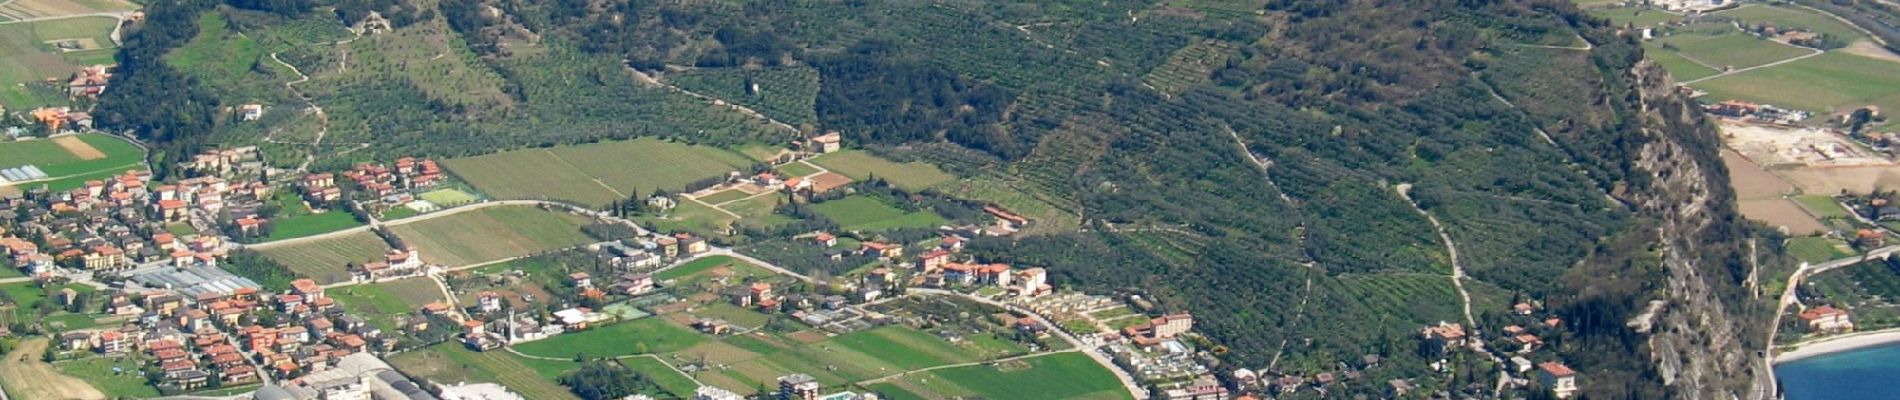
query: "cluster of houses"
107, 226
194, 340
1758, 113
89, 82
396, 264
1519, 342
379, 186
181, 343
232, 163
62, 119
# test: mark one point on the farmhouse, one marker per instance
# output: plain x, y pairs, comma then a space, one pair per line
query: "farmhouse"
1827, 319
1159, 329
89, 82
1445, 336
829, 142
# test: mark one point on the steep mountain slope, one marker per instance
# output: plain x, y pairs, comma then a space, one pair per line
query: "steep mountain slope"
1296, 173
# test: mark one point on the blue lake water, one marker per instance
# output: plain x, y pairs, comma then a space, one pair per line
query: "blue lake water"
1870, 373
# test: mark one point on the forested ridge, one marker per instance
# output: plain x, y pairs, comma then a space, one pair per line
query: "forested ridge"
1141, 115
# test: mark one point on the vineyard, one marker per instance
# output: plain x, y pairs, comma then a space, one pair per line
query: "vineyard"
1189, 67
327, 260
787, 94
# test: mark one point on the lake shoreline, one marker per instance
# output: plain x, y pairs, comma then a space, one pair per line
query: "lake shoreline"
1838, 344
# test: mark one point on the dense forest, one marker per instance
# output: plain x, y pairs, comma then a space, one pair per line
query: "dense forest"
1239, 160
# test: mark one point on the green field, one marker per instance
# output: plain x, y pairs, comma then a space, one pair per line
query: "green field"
1732, 49
594, 174
381, 302
1822, 207
27, 294
1683, 69
491, 233
1832, 81
1815, 249
642, 336
326, 260
450, 363
67, 170
691, 216
732, 313
1782, 16
448, 197
312, 224
1059, 376
26, 59
704, 264
905, 347
129, 382
858, 213
860, 165
723, 196
797, 168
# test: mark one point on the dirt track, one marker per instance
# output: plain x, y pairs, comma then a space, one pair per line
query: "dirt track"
25, 377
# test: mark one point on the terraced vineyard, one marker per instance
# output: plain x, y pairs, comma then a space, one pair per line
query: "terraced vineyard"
787, 94
1189, 67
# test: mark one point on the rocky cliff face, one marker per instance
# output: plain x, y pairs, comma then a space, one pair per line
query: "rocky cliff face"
1703, 339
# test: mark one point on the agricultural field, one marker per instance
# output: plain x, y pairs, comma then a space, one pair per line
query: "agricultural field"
1783, 213
1823, 207
450, 363
921, 350
29, 56
311, 224
797, 168
1189, 67
595, 174
1783, 16
1730, 49
1834, 81
1056, 376
381, 301
860, 213
723, 196
327, 260
705, 264
492, 233
24, 376
1815, 249
1682, 68
25, 9
642, 336
786, 94
859, 165
69, 161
